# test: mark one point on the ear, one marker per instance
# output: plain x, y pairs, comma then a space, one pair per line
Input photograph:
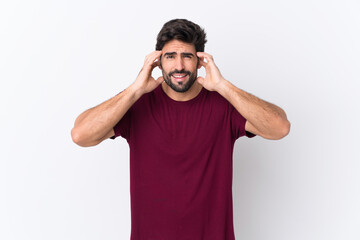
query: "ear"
160, 63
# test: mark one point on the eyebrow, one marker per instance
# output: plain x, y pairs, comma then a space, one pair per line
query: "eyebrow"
183, 54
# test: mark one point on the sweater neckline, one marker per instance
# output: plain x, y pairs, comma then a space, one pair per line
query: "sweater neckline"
194, 99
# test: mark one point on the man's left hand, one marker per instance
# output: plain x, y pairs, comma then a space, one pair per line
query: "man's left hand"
213, 77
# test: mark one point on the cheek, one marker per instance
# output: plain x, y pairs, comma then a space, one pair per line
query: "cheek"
191, 65
164, 66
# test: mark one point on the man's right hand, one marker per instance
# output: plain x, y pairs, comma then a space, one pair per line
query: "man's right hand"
96, 124
144, 82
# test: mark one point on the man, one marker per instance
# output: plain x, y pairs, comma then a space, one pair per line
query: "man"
181, 130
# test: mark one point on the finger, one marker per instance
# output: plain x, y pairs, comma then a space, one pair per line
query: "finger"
204, 54
201, 59
202, 63
207, 56
154, 53
155, 64
153, 59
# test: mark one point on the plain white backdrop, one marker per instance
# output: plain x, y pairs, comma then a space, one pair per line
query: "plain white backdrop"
59, 58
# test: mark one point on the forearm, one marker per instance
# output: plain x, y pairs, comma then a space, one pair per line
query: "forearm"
266, 119
94, 124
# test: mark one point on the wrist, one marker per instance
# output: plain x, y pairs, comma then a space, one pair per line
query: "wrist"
136, 90
223, 86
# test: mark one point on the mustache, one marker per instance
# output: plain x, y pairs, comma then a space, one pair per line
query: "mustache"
179, 72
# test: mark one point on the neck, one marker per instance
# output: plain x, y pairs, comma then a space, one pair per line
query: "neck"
185, 96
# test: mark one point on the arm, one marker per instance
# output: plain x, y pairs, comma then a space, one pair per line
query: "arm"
96, 124
263, 118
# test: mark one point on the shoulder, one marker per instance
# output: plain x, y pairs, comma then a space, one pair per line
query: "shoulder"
147, 100
216, 99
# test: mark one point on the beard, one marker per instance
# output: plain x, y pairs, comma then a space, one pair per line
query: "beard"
180, 86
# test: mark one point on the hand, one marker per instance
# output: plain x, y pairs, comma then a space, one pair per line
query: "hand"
145, 82
213, 77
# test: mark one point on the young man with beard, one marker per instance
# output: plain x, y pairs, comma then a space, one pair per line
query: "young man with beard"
181, 131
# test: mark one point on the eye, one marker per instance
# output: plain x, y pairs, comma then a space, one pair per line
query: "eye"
169, 56
188, 56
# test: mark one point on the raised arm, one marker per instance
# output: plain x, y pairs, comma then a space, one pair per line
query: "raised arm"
263, 118
96, 124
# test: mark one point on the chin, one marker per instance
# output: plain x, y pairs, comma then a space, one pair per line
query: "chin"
184, 87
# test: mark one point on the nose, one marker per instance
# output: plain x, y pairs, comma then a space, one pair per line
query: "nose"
179, 65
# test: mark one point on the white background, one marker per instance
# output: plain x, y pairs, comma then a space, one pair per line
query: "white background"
59, 58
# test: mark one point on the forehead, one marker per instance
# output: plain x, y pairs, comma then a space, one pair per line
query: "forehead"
178, 46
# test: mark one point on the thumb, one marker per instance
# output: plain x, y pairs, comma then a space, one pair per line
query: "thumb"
160, 79
200, 80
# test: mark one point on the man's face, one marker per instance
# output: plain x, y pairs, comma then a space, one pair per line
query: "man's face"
179, 65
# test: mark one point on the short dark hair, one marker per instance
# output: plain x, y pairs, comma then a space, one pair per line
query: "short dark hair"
183, 30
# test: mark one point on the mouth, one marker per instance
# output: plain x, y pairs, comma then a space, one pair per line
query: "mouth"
179, 77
